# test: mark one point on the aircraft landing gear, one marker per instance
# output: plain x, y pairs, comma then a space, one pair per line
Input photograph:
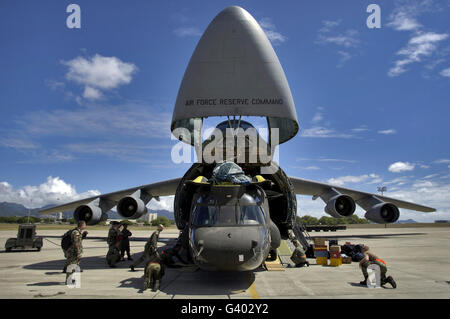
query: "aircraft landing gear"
272, 255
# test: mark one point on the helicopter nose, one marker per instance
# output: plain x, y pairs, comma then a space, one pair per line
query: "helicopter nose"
228, 248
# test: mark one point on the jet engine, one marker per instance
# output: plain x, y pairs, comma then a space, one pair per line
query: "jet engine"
338, 205
92, 213
131, 208
383, 213
134, 205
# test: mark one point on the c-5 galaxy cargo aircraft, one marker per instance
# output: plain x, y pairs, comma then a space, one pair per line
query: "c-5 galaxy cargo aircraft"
234, 71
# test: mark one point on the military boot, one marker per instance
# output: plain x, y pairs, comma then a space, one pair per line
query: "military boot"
64, 269
146, 285
156, 285
391, 281
364, 282
132, 267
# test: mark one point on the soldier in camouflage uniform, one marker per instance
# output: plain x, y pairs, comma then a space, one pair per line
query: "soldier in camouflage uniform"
154, 271
150, 247
73, 253
370, 259
298, 256
113, 255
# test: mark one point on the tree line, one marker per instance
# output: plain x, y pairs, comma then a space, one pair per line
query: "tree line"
25, 219
325, 220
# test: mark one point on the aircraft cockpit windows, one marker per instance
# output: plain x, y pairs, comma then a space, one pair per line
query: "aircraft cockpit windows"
227, 215
205, 216
208, 212
251, 215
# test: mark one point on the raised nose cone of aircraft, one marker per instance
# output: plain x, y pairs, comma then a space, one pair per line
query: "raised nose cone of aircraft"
234, 71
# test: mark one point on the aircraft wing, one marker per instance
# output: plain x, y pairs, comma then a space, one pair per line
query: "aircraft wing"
307, 187
163, 188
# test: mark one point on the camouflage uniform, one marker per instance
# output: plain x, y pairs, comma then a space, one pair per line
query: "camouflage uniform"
373, 259
150, 247
298, 257
113, 255
73, 253
154, 271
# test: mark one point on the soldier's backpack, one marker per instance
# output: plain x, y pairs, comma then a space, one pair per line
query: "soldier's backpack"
66, 240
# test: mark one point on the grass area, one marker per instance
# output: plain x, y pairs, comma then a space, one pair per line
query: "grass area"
4, 226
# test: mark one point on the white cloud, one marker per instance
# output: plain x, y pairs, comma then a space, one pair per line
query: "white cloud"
321, 159
91, 93
187, 32
445, 72
362, 128
431, 194
420, 184
127, 152
341, 181
345, 56
323, 132
55, 85
270, 30
404, 16
53, 191
164, 203
387, 132
99, 73
329, 34
403, 21
312, 168
122, 132
318, 117
347, 39
442, 161
17, 143
328, 25
420, 46
308, 168
399, 167
112, 121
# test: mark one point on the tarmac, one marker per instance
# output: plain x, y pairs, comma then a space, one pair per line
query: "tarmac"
417, 258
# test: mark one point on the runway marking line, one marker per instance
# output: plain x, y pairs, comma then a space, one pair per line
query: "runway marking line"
252, 288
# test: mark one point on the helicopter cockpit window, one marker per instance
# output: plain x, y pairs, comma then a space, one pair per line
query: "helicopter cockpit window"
205, 215
206, 212
251, 215
227, 215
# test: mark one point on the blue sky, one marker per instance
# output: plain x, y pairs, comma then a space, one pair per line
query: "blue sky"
373, 104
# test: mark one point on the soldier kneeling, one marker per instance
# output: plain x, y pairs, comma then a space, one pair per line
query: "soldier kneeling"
370, 258
298, 256
154, 271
